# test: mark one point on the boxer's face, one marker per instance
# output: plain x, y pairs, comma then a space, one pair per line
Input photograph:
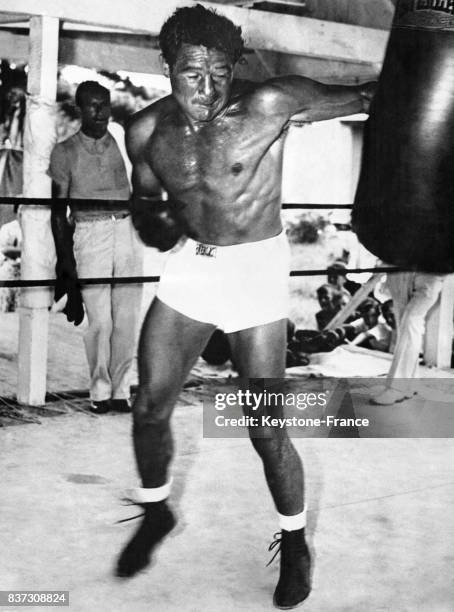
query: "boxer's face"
201, 80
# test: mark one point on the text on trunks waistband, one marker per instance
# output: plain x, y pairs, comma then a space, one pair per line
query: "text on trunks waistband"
207, 250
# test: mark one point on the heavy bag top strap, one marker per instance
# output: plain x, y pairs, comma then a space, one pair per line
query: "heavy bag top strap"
425, 14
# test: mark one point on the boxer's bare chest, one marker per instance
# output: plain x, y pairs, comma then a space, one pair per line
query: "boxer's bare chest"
220, 157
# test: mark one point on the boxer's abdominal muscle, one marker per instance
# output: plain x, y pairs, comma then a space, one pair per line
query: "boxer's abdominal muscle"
227, 173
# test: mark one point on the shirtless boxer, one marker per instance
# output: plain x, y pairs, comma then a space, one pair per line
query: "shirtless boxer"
215, 146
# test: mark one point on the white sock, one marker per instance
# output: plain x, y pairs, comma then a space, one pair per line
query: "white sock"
143, 495
294, 522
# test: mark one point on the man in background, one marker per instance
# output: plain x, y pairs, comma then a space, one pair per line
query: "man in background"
413, 295
89, 165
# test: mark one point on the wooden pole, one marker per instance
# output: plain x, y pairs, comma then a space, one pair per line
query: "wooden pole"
34, 315
356, 300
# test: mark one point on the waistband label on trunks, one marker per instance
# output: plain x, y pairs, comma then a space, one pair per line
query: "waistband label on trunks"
207, 250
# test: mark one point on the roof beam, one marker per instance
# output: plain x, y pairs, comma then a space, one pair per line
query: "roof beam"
110, 52
262, 30
367, 13
14, 47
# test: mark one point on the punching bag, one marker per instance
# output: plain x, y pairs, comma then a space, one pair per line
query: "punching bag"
404, 204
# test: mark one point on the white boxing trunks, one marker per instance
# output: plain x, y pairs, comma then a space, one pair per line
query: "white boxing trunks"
232, 287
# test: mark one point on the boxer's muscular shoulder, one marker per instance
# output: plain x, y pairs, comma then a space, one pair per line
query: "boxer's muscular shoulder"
267, 98
279, 96
142, 125
247, 95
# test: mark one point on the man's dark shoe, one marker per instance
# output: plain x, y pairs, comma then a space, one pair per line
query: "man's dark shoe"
294, 580
100, 407
120, 405
157, 522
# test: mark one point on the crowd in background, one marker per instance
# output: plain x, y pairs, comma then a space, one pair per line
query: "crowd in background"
371, 324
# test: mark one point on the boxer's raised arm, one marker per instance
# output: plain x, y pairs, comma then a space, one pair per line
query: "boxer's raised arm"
157, 221
313, 101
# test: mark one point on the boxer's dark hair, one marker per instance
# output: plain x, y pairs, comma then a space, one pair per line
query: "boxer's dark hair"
90, 87
196, 25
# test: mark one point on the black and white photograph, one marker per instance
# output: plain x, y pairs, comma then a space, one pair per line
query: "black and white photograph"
227, 305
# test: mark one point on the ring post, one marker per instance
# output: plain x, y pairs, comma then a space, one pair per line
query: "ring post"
38, 254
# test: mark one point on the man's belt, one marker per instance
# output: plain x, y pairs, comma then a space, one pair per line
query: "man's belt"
82, 216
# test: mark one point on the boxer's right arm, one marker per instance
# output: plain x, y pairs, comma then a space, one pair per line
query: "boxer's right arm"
157, 221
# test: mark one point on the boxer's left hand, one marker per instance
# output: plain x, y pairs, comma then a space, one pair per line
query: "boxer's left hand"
159, 223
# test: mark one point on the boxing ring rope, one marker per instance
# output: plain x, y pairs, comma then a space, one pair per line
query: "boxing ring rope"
154, 279
125, 280
48, 201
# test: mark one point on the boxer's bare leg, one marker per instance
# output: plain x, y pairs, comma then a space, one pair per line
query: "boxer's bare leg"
169, 346
259, 352
170, 343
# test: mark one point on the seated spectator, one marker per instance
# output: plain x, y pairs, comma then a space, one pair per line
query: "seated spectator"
325, 299
381, 336
370, 312
369, 330
340, 299
337, 276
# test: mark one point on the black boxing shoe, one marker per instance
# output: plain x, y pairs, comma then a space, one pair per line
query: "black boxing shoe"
120, 405
100, 407
157, 522
294, 583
